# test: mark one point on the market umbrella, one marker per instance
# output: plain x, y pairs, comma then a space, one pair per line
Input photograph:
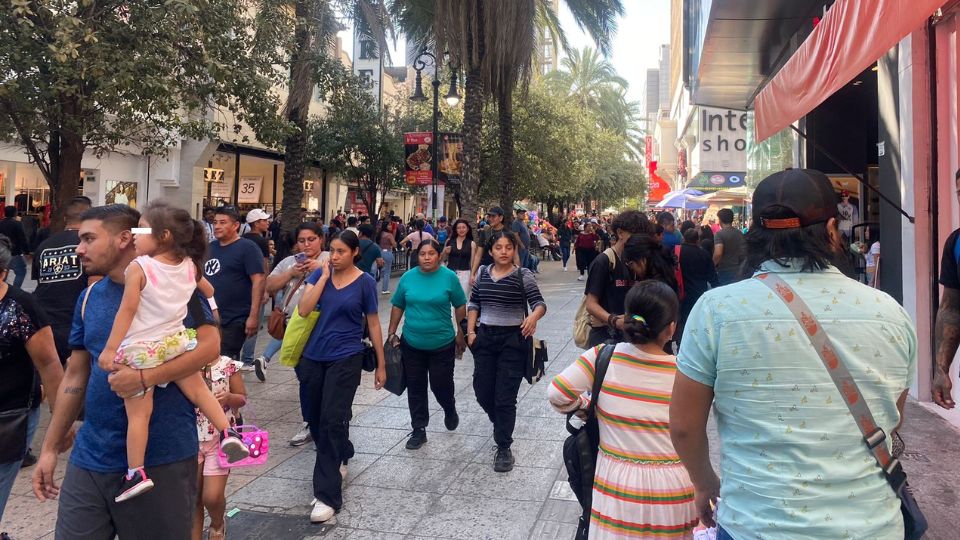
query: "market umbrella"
736, 195
683, 198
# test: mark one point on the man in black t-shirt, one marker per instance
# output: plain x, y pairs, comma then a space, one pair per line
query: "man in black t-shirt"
259, 224
609, 280
948, 319
60, 276
235, 269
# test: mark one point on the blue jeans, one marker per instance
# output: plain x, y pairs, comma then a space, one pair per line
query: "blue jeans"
18, 266
565, 253
272, 348
8, 471
386, 270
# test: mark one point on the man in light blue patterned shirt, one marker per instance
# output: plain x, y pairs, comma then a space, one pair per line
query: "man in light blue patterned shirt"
794, 464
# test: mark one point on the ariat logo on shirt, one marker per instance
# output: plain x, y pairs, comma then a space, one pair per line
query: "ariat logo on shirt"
59, 264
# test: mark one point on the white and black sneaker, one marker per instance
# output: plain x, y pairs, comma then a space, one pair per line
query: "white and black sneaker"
232, 445
302, 436
134, 485
260, 368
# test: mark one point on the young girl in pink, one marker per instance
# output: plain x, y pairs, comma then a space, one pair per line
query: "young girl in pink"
226, 382
148, 330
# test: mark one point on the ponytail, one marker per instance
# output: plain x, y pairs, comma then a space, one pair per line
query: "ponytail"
196, 248
651, 306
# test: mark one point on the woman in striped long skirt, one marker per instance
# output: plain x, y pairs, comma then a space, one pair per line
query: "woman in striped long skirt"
640, 490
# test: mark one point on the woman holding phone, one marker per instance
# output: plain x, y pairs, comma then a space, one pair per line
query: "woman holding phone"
330, 368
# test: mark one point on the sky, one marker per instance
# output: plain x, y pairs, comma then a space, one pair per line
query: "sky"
644, 26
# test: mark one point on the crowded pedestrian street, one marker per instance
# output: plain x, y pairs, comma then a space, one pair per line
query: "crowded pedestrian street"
446, 489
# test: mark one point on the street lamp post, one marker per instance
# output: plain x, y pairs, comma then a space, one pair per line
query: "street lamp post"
452, 98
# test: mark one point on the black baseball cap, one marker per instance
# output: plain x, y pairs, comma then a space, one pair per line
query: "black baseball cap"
495, 211
794, 198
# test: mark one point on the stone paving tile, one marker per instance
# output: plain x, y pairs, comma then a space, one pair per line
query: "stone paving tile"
42, 521
371, 440
383, 417
480, 517
561, 511
528, 453
552, 530
384, 510
273, 493
471, 423
521, 484
423, 475
543, 429
446, 446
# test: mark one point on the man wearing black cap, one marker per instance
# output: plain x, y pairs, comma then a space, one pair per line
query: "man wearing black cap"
794, 461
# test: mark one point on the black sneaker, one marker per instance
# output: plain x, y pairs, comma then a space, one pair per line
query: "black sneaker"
134, 485
417, 439
451, 419
29, 460
503, 462
232, 445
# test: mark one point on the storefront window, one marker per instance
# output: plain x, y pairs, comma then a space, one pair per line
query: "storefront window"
772, 155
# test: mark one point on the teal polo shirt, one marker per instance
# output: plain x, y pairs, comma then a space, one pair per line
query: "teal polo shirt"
426, 299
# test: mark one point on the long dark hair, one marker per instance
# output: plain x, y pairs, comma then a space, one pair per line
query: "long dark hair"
658, 264
454, 229
810, 245
650, 307
187, 235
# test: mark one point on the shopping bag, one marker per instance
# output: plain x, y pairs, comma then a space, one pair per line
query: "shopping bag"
393, 359
296, 336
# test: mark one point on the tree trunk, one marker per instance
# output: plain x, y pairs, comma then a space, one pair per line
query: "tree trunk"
298, 106
507, 165
473, 119
65, 176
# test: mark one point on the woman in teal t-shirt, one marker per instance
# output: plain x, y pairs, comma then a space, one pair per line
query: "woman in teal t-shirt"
430, 339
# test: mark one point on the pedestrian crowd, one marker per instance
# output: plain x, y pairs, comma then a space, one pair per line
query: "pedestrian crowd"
143, 324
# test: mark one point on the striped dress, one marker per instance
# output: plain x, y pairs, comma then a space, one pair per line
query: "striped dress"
641, 490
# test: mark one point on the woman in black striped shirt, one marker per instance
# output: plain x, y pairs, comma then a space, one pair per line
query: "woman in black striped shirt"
500, 337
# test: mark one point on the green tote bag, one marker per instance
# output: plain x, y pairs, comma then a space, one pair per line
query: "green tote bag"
296, 336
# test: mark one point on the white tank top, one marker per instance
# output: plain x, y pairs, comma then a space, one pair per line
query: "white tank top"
163, 300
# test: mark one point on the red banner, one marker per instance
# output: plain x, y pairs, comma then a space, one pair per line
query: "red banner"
419, 159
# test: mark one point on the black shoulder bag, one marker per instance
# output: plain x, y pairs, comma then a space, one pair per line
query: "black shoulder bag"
581, 447
13, 428
536, 363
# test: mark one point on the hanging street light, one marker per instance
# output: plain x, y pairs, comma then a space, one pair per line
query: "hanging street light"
424, 59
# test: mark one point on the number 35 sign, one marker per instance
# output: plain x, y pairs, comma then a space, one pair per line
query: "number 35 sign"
249, 190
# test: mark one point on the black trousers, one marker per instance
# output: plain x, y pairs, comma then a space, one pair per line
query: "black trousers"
435, 365
331, 387
499, 358
232, 337
87, 510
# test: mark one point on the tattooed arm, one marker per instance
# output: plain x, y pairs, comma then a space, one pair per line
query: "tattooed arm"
947, 341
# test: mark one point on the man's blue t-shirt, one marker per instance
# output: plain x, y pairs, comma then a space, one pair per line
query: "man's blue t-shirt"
339, 329
228, 269
428, 228
102, 441
672, 239
523, 233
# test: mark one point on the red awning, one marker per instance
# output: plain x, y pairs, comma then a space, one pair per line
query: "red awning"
849, 39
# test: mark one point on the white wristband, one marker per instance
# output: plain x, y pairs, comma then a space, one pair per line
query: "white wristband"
213, 303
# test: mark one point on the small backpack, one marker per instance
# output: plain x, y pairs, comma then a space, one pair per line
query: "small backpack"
582, 320
581, 447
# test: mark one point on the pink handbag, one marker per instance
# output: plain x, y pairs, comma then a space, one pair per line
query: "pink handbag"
257, 440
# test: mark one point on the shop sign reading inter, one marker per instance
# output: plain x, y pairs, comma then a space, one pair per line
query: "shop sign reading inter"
723, 139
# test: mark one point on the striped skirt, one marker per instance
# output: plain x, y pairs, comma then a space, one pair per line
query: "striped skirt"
641, 500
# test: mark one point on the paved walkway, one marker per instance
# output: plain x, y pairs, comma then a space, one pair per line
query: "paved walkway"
448, 489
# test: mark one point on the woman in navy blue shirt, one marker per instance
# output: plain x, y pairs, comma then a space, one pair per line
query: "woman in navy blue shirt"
331, 364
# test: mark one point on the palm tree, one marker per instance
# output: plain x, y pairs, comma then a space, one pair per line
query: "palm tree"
315, 28
584, 75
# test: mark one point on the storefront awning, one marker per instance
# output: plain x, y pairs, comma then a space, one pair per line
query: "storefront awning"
736, 46
849, 39
715, 181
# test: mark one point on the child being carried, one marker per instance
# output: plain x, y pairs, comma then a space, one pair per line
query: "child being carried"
148, 330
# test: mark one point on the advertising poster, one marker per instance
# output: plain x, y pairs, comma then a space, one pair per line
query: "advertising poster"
418, 158
250, 187
451, 157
